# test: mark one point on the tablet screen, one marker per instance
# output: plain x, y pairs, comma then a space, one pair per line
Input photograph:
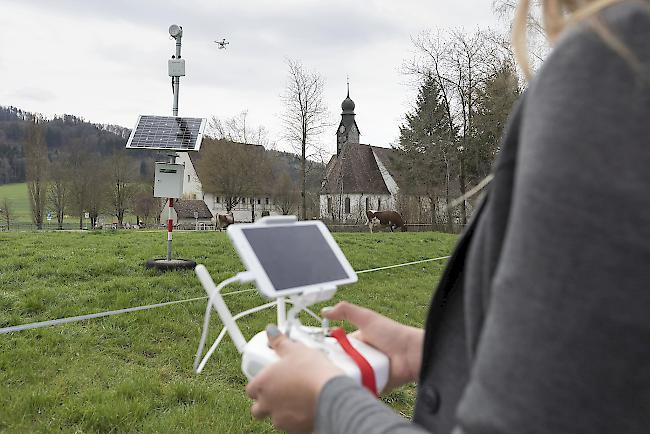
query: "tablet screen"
294, 256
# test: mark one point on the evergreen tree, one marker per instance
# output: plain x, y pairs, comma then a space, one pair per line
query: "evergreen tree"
494, 102
426, 144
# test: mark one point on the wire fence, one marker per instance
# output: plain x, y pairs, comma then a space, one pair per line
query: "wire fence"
60, 321
454, 228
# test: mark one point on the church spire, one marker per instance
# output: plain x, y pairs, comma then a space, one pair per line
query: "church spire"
348, 131
348, 105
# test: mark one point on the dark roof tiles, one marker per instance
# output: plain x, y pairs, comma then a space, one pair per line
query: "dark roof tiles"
186, 208
355, 170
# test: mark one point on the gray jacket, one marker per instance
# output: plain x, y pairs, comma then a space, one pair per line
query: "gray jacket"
541, 321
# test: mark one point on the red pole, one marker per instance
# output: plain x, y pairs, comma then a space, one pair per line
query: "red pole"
170, 227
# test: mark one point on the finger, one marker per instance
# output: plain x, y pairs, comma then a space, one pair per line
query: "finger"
356, 335
356, 315
253, 389
259, 411
279, 341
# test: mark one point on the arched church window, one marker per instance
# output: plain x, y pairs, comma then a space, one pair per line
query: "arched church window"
367, 203
347, 205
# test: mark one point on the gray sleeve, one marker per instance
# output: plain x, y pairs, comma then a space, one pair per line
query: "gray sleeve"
564, 346
345, 407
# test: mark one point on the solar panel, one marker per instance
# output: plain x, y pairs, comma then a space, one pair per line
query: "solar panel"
170, 133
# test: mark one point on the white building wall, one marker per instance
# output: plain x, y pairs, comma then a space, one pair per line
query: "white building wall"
243, 211
192, 188
335, 209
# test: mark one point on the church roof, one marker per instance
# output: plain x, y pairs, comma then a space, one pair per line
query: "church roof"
187, 208
347, 116
348, 106
355, 170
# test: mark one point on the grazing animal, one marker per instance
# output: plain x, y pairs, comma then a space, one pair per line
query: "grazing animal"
224, 220
392, 219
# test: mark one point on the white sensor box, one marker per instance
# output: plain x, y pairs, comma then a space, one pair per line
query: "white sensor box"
169, 180
176, 67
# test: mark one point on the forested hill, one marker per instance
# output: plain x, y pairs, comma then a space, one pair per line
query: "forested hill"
70, 134
62, 134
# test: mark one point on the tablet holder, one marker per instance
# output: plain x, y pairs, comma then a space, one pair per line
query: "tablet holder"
256, 353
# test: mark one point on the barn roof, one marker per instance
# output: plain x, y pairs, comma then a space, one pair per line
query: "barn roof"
187, 208
355, 170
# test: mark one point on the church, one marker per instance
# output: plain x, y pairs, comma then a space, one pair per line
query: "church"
359, 177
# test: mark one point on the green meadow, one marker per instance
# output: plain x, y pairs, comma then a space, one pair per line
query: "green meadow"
133, 372
18, 198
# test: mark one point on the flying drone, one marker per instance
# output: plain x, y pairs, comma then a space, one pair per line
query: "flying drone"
222, 44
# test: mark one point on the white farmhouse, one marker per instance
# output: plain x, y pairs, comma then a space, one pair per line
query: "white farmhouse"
247, 210
187, 213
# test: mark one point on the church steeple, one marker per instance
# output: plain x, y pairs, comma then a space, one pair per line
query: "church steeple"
348, 105
348, 131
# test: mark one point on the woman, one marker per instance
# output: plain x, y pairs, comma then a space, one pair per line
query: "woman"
541, 322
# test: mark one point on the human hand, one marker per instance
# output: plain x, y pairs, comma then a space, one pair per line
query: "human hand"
402, 344
288, 390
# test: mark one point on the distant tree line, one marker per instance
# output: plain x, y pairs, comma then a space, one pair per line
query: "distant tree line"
72, 168
58, 134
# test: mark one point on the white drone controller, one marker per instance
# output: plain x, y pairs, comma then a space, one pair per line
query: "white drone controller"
299, 260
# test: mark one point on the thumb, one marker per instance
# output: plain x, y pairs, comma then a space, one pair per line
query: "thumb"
356, 315
278, 340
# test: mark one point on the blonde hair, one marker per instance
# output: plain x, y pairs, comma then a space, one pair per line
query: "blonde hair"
557, 16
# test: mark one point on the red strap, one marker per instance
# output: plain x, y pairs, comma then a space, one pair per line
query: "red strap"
367, 373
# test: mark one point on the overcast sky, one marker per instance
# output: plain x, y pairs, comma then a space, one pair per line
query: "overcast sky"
107, 60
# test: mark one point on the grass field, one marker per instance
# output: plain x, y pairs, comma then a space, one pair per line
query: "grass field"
19, 201
133, 372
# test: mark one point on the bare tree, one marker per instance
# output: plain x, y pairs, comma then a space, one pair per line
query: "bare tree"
286, 196
122, 181
236, 129
144, 204
98, 190
6, 212
538, 46
305, 117
78, 162
232, 170
59, 189
36, 159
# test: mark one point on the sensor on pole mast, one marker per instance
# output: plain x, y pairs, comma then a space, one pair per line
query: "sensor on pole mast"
169, 134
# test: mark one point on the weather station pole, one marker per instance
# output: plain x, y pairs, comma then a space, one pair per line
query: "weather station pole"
169, 135
176, 70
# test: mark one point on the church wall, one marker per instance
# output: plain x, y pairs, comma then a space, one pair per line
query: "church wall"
336, 212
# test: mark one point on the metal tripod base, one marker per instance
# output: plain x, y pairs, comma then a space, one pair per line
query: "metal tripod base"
174, 264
